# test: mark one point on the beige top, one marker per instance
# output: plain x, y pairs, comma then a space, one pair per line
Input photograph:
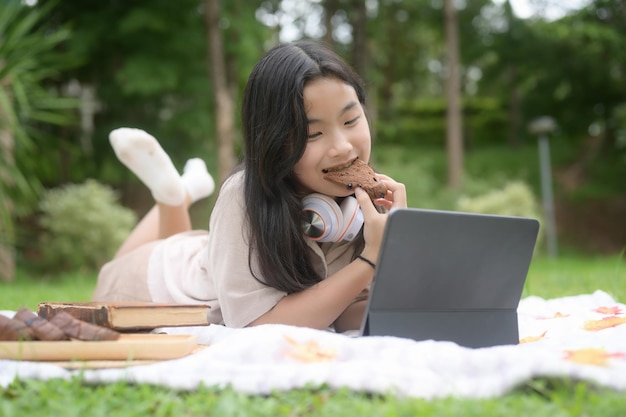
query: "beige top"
212, 268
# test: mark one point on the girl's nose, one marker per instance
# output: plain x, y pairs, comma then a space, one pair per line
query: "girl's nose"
341, 144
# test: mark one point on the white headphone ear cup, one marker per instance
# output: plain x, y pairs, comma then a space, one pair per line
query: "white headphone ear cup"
328, 211
352, 219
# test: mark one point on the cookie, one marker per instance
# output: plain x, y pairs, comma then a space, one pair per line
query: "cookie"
358, 174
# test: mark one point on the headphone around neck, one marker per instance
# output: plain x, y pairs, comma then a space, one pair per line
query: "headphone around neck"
327, 221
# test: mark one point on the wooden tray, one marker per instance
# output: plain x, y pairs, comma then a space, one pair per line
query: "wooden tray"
128, 347
108, 364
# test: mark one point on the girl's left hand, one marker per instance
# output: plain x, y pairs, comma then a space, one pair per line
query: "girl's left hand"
375, 221
396, 194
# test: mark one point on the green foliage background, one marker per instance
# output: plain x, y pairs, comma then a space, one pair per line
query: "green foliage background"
83, 226
146, 62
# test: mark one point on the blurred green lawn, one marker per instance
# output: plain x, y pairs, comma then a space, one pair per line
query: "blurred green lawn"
547, 278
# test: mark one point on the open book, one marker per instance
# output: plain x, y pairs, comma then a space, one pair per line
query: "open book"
130, 315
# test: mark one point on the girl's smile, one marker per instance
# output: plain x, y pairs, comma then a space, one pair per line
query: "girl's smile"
340, 167
338, 134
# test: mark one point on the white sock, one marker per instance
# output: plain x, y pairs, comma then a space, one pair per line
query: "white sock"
197, 179
143, 155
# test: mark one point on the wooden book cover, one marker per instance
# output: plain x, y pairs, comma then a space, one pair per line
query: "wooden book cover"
130, 315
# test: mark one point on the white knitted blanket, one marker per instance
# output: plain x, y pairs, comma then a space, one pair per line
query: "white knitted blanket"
579, 338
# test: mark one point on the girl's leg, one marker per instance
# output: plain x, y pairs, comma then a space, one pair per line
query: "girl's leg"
160, 222
173, 194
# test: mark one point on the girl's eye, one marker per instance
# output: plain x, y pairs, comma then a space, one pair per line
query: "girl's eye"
352, 121
313, 135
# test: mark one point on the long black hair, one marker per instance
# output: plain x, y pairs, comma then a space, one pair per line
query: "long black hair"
275, 131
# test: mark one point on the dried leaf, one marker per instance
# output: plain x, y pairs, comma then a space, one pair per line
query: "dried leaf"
592, 356
309, 352
614, 310
529, 339
605, 323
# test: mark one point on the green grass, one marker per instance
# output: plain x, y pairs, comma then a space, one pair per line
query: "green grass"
74, 398
569, 275
547, 278
28, 290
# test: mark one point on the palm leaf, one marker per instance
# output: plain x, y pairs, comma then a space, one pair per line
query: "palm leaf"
29, 59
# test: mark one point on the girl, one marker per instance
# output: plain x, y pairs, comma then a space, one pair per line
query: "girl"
303, 114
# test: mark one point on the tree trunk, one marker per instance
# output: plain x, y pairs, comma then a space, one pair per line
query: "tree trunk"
224, 103
330, 8
515, 107
361, 56
388, 67
454, 129
359, 37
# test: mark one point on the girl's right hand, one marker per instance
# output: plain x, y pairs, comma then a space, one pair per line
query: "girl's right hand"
374, 221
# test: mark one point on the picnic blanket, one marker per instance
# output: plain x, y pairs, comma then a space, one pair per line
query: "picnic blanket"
580, 337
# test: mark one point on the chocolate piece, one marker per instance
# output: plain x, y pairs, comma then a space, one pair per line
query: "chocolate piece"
13, 330
82, 330
359, 174
40, 327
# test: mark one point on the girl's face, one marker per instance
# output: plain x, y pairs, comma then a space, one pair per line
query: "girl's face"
338, 134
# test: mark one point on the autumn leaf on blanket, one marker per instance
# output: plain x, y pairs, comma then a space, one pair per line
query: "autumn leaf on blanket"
614, 310
529, 339
592, 356
309, 352
604, 323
